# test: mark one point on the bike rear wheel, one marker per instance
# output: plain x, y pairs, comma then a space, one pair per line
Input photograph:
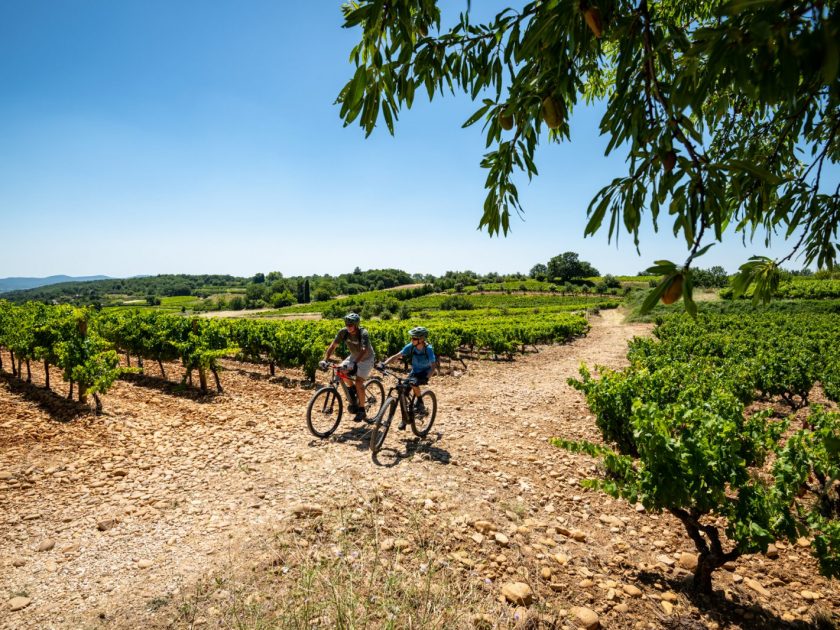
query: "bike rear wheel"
423, 421
323, 413
384, 419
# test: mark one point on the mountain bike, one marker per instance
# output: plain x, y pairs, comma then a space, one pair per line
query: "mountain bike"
401, 397
325, 408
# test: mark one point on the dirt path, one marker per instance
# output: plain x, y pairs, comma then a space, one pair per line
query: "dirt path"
133, 508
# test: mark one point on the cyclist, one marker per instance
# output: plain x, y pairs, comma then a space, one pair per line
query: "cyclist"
421, 354
361, 359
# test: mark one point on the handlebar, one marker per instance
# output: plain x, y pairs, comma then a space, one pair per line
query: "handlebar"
337, 366
387, 372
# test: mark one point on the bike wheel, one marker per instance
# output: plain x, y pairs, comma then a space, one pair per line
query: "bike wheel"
383, 422
423, 421
323, 413
374, 397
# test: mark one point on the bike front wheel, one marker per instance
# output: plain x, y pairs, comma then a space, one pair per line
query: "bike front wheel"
423, 420
323, 413
384, 419
374, 397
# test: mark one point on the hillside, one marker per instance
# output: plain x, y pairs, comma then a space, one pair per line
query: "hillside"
22, 284
110, 289
213, 291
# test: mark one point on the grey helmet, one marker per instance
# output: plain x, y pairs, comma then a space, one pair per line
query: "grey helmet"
352, 318
419, 331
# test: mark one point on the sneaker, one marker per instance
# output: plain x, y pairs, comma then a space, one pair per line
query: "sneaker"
361, 416
353, 408
420, 408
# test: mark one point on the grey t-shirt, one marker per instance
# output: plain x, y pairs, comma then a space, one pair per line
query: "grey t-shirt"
356, 344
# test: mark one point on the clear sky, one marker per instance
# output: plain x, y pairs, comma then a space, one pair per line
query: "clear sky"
151, 136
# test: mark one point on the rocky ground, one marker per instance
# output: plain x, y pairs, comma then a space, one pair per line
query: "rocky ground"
179, 510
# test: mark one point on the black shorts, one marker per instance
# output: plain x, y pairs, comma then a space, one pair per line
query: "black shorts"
419, 378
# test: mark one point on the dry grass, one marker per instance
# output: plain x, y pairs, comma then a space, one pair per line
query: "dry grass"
349, 569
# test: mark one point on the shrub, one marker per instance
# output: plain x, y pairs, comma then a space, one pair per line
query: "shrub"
680, 439
404, 312
279, 300
611, 281
456, 303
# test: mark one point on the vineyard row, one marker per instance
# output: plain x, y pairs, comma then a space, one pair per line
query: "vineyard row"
84, 344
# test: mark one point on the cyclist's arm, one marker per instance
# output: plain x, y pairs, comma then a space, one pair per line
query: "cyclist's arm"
433, 360
330, 350
391, 358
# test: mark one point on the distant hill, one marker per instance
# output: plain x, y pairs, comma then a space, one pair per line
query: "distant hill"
19, 284
259, 290
117, 290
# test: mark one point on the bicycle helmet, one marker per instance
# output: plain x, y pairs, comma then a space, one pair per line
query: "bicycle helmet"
419, 331
352, 318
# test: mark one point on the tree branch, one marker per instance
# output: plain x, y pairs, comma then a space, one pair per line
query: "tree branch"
692, 526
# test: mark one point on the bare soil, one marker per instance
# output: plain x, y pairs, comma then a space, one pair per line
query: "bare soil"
139, 509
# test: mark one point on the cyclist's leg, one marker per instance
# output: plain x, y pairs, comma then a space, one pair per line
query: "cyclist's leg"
363, 370
348, 366
360, 396
416, 379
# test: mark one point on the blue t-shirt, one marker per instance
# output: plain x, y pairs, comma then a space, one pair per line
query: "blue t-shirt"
421, 360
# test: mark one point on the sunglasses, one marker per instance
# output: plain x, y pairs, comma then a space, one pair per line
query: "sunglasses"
416, 338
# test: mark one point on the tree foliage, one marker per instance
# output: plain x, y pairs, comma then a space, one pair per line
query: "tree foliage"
726, 110
538, 272
568, 266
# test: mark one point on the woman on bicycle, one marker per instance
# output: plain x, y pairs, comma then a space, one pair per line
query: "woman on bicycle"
361, 359
421, 354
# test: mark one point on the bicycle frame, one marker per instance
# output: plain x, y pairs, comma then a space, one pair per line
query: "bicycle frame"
347, 383
404, 396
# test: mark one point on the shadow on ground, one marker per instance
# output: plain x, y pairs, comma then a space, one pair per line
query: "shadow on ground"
727, 611
425, 448
171, 388
58, 407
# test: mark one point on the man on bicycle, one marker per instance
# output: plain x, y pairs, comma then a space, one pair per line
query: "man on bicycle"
423, 363
361, 359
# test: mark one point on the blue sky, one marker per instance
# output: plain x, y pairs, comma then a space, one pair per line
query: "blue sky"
145, 137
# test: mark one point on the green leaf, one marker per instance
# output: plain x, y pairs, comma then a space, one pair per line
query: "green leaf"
756, 170
703, 250
476, 116
688, 292
661, 268
654, 296
357, 87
